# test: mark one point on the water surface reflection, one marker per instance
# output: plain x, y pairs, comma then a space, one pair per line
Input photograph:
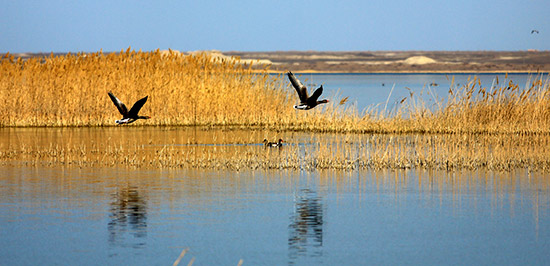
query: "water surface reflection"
114, 216
306, 226
128, 218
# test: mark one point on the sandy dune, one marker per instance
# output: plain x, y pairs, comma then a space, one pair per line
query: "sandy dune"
404, 61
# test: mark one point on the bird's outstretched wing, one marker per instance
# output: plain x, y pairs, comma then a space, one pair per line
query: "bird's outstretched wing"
316, 94
119, 105
300, 88
137, 106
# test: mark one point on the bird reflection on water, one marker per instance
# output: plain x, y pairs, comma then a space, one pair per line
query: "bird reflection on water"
306, 226
128, 219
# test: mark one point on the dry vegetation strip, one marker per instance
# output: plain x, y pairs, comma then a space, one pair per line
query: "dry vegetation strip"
197, 89
183, 90
350, 152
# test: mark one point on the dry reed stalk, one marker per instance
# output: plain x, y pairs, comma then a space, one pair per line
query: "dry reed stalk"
177, 261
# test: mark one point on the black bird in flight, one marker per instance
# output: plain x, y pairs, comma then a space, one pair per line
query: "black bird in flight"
306, 102
128, 116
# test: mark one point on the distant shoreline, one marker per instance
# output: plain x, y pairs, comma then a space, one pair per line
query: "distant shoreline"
412, 72
373, 62
470, 62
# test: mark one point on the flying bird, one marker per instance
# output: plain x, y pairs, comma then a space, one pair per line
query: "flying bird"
535, 31
306, 102
128, 116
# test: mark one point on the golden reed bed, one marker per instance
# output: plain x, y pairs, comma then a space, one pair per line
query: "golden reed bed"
500, 128
72, 90
197, 89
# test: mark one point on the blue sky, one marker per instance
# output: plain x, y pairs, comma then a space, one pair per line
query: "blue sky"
62, 26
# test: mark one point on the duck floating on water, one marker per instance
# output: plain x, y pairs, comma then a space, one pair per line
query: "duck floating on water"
273, 144
128, 116
306, 102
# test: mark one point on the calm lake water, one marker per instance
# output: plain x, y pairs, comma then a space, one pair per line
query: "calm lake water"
115, 216
60, 215
374, 90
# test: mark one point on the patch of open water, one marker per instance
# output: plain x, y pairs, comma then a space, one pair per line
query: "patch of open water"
113, 216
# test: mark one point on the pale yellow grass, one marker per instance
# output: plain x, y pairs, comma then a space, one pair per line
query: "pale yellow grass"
72, 90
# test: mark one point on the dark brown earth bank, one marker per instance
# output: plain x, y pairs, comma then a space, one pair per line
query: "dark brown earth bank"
403, 61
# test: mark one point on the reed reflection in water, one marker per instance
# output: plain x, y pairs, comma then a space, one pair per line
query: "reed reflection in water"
238, 149
128, 218
306, 226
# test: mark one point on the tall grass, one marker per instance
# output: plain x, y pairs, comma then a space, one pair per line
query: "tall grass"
72, 90
198, 89
472, 108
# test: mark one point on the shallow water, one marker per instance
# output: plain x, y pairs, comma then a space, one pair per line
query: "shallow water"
239, 149
113, 216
